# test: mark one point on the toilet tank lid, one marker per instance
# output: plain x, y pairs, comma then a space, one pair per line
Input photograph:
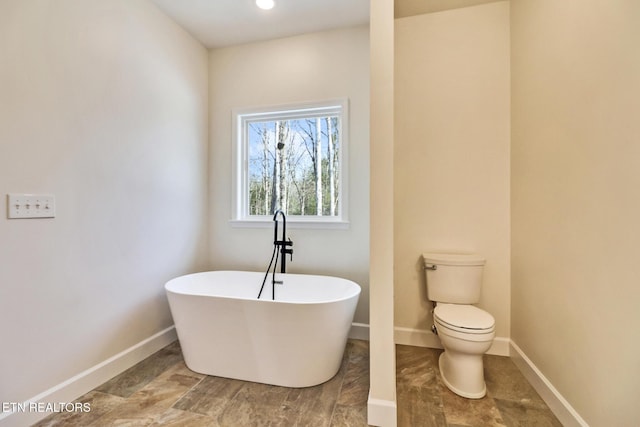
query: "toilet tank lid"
432, 258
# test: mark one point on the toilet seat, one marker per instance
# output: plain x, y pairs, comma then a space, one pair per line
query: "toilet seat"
464, 318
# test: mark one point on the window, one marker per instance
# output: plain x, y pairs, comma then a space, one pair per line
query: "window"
291, 158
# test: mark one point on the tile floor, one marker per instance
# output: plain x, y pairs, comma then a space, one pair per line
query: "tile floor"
424, 400
161, 391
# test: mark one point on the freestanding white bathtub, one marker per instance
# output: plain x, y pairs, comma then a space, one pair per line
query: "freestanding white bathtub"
295, 341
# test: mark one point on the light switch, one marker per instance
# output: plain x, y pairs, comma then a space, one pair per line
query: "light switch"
31, 206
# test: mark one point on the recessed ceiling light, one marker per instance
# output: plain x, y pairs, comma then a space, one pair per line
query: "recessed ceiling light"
265, 4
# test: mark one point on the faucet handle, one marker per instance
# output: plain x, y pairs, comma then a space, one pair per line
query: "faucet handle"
288, 242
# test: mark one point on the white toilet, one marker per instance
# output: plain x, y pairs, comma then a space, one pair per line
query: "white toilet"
465, 331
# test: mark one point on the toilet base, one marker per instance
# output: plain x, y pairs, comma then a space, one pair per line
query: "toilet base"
463, 374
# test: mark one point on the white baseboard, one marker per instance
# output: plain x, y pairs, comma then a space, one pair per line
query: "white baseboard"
552, 397
359, 331
416, 337
382, 413
426, 338
71, 389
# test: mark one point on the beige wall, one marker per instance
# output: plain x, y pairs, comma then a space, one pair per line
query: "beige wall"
311, 67
104, 105
404, 8
452, 153
575, 201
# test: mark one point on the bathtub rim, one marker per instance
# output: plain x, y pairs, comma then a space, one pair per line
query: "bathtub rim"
357, 291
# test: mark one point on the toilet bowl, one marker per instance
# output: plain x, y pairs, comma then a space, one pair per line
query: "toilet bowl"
466, 333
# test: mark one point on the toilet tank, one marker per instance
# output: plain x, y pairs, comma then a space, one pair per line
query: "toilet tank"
456, 278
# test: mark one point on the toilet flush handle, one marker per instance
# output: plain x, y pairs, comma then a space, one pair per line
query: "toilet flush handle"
431, 267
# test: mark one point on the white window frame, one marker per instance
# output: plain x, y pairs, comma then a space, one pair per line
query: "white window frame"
240, 163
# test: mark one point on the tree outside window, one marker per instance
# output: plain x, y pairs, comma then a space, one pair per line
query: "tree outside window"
293, 161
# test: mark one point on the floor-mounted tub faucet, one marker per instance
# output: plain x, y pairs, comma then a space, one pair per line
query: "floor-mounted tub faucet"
283, 242
279, 246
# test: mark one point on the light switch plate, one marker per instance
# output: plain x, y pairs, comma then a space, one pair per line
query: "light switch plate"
31, 206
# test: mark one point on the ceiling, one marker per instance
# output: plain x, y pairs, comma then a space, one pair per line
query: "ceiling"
219, 23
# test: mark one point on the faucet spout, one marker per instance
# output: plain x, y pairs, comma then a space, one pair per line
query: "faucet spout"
279, 212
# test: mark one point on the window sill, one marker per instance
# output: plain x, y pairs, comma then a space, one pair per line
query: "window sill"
292, 223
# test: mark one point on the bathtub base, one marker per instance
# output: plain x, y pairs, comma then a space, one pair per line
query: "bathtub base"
247, 341
272, 342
